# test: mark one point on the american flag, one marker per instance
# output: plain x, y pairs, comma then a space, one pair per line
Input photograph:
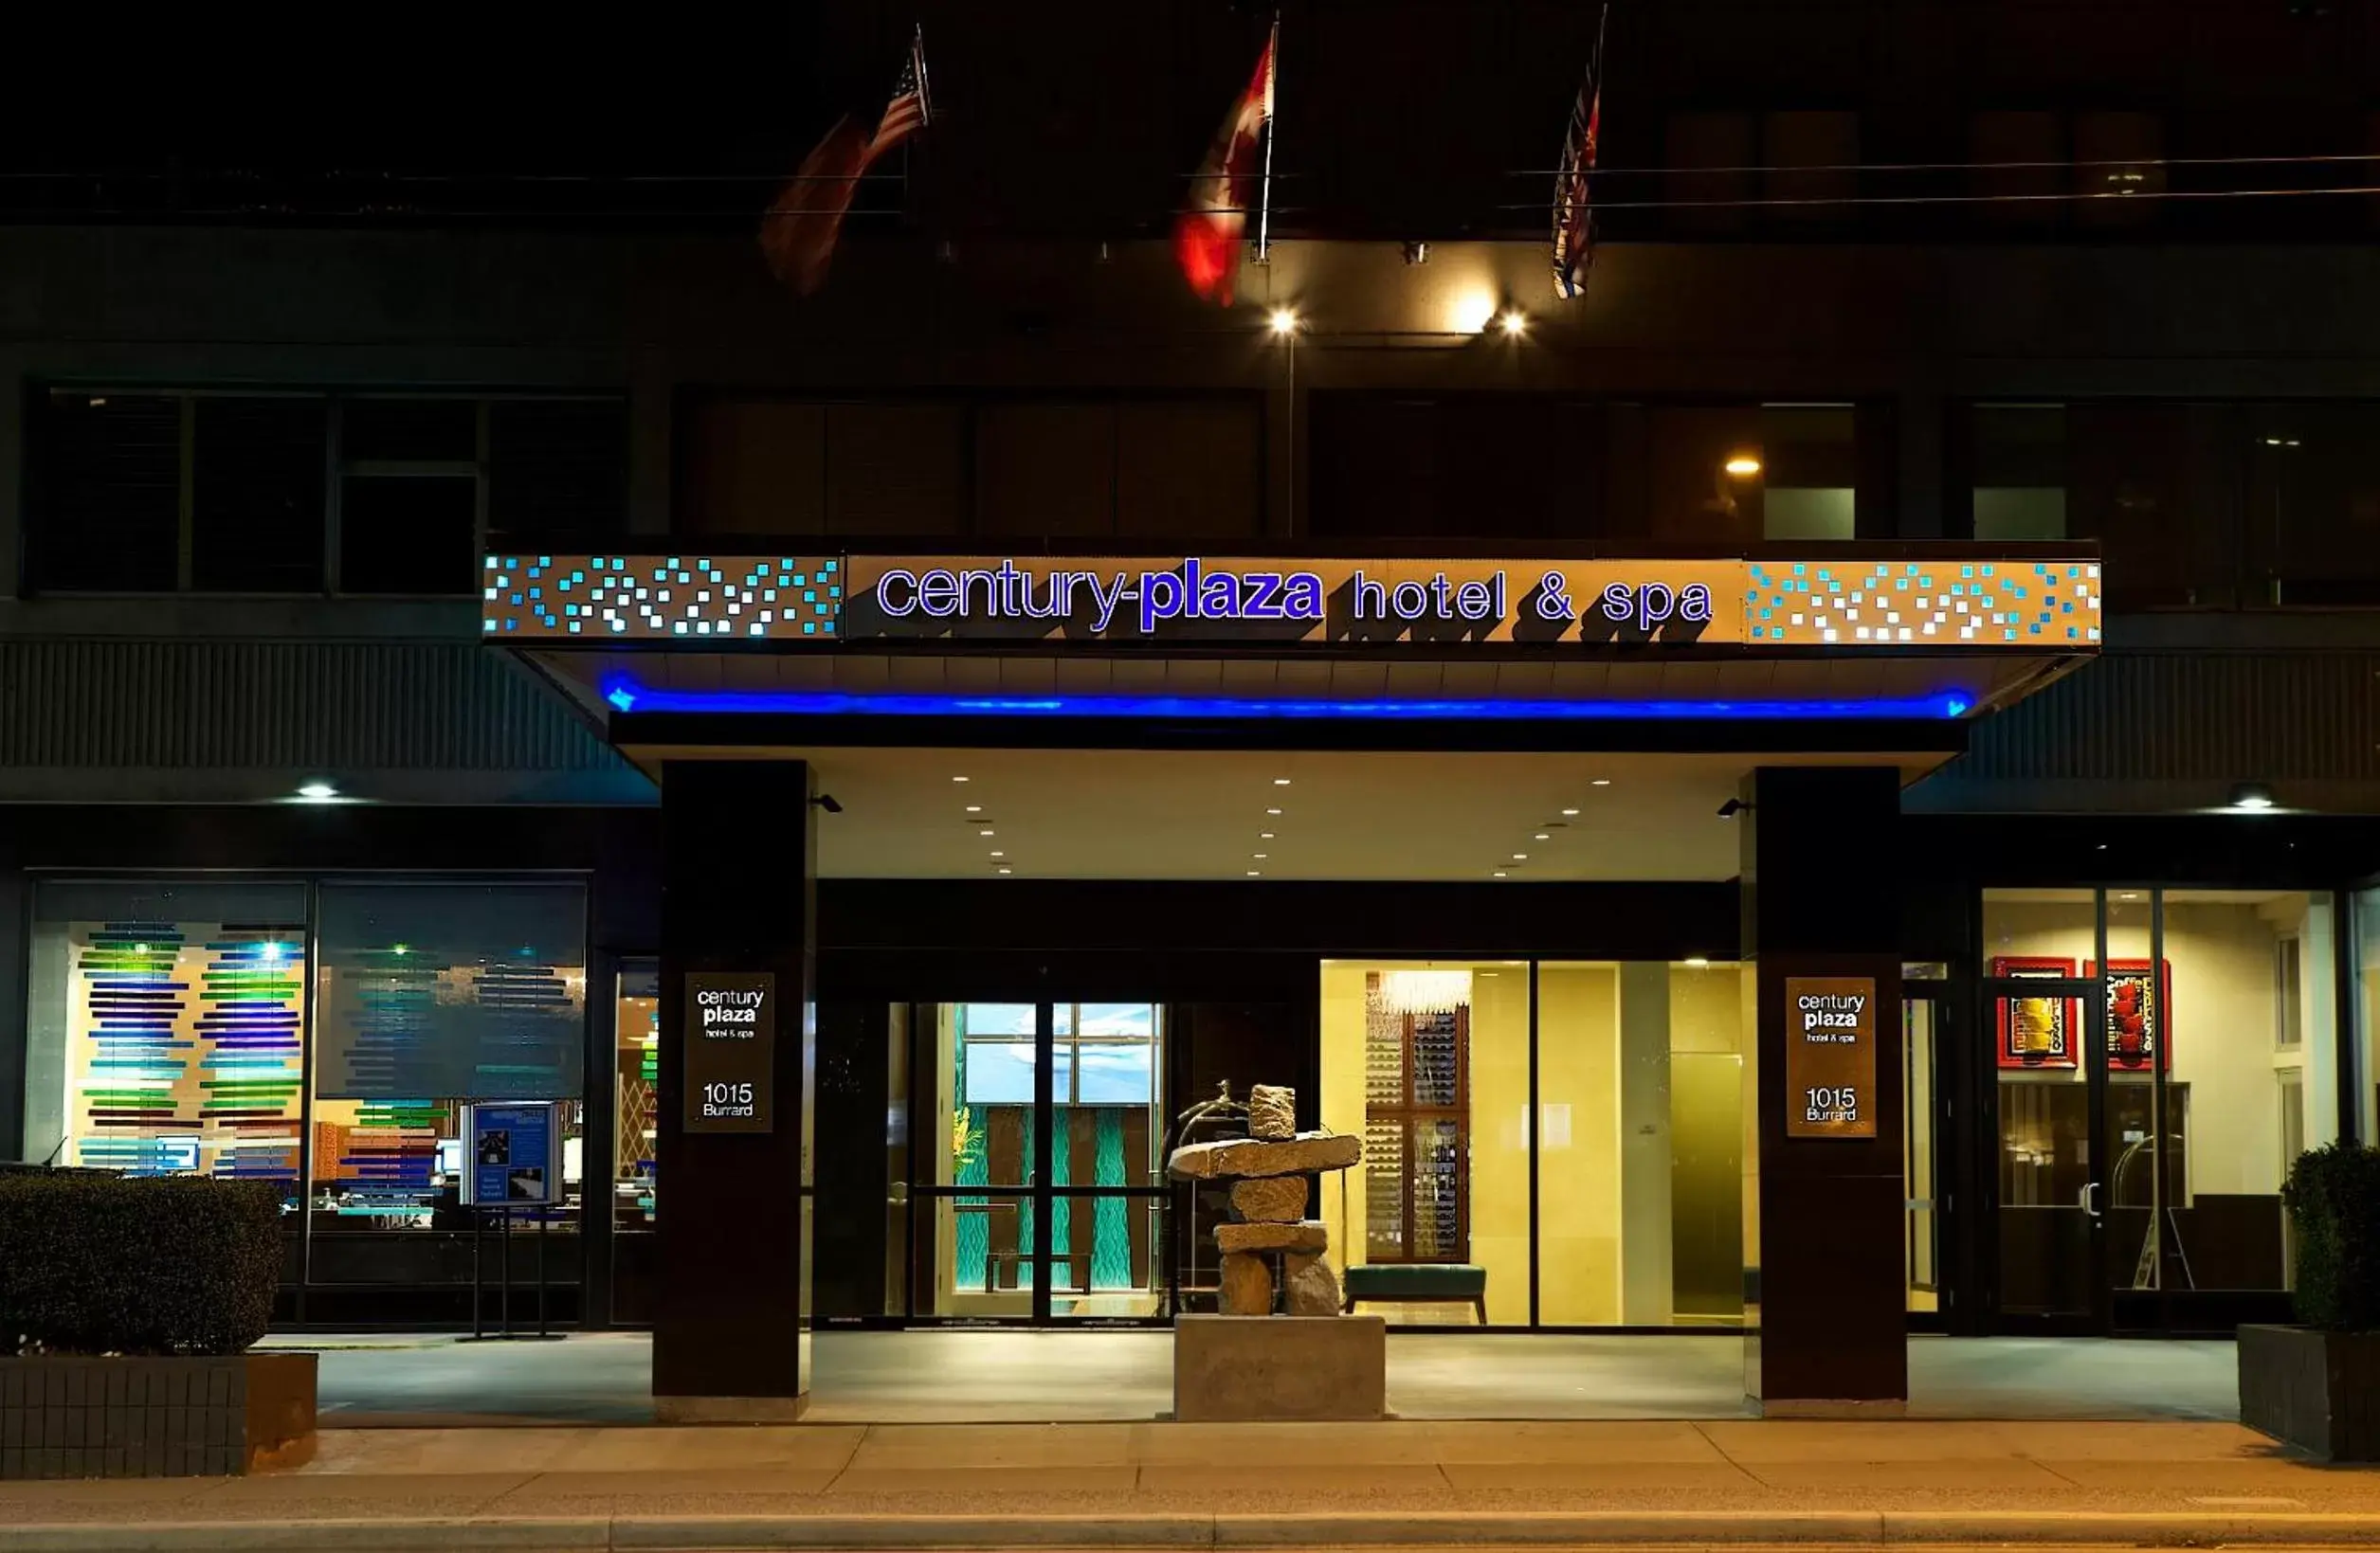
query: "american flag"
910, 110
799, 233
1573, 208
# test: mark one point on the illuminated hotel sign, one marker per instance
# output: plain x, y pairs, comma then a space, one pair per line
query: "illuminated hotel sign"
1195, 598
1939, 602
1830, 1056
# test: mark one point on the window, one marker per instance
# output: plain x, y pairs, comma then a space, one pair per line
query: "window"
256, 495
2020, 475
166, 1028
1486, 465
2157, 484
303, 492
1811, 472
635, 1095
1735, 474
2289, 1025
1024, 468
427, 996
2312, 508
2216, 1001
2119, 169
2017, 169
407, 534
1710, 159
1635, 1143
990, 1207
315, 1036
1810, 159
106, 491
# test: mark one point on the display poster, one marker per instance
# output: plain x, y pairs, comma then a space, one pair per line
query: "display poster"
1830, 1056
513, 1154
731, 1035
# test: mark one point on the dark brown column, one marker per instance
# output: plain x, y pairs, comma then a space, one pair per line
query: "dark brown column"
1827, 1305
730, 1329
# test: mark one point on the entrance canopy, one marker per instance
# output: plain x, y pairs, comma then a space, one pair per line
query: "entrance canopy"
905, 813
1884, 650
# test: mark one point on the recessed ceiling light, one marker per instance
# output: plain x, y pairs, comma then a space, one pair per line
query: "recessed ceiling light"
1007, 871
317, 792
1544, 836
958, 779
1599, 782
1520, 857
983, 833
1569, 811
1280, 781
1264, 835
1272, 811
1260, 857
1696, 961
1501, 875
999, 854
1256, 873
2129, 894
974, 808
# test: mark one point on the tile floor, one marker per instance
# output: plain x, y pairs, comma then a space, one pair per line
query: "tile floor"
1021, 1376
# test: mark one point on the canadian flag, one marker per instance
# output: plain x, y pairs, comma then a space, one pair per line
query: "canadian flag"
1208, 235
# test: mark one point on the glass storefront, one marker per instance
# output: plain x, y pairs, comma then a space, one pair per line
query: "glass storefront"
1582, 1144
1037, 1177
317, 1034
2174, 1052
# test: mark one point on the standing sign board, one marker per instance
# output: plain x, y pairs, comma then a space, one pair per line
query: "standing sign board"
1830, 1056
512, 1154
731, 1051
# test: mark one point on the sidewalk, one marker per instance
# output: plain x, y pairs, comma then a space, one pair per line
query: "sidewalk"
1397, 1483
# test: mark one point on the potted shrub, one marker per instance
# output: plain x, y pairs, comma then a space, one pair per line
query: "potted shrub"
127, 1308
2316, 1386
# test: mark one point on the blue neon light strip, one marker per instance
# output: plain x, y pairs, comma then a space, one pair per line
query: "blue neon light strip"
627, 698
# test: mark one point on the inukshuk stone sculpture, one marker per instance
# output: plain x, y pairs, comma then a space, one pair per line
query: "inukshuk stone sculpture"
1269, 1226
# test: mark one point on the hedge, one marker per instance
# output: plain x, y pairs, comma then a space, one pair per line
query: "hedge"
93, 1263
2333, 1200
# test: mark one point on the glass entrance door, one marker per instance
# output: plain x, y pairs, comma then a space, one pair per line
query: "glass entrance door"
1037, 1193
2048, 1029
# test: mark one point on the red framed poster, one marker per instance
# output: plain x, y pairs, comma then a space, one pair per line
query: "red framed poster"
2139, 1015
2037, 1032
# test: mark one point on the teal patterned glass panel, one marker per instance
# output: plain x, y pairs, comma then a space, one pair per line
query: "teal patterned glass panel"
1060, 1173
1111, 1223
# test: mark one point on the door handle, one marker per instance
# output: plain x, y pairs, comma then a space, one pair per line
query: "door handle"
2088, 1199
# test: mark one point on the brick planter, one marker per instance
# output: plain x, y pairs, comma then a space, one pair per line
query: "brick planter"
73, 1415
2318, 1391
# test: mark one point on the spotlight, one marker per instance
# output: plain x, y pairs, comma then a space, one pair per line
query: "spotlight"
317, 792
1514, 322
826, 802
1743, 467
2251, 796
1733, 807
1283, 322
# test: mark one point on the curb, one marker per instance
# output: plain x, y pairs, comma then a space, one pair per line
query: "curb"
1612, 1528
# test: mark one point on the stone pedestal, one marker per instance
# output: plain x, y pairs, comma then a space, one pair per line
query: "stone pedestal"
1244, 1368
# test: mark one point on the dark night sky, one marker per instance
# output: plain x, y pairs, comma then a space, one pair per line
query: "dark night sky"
1423, 116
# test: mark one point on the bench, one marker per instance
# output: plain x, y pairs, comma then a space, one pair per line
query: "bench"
1420, 1283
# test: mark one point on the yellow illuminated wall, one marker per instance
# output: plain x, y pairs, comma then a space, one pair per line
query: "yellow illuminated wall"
1578, 1164
1581, 1194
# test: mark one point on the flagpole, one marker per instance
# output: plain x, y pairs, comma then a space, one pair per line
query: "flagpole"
1264, 205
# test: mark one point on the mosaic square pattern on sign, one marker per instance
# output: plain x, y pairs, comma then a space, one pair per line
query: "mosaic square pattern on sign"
785, 599
1982, 603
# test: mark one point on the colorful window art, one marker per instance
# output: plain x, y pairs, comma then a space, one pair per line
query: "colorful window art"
168, 1025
